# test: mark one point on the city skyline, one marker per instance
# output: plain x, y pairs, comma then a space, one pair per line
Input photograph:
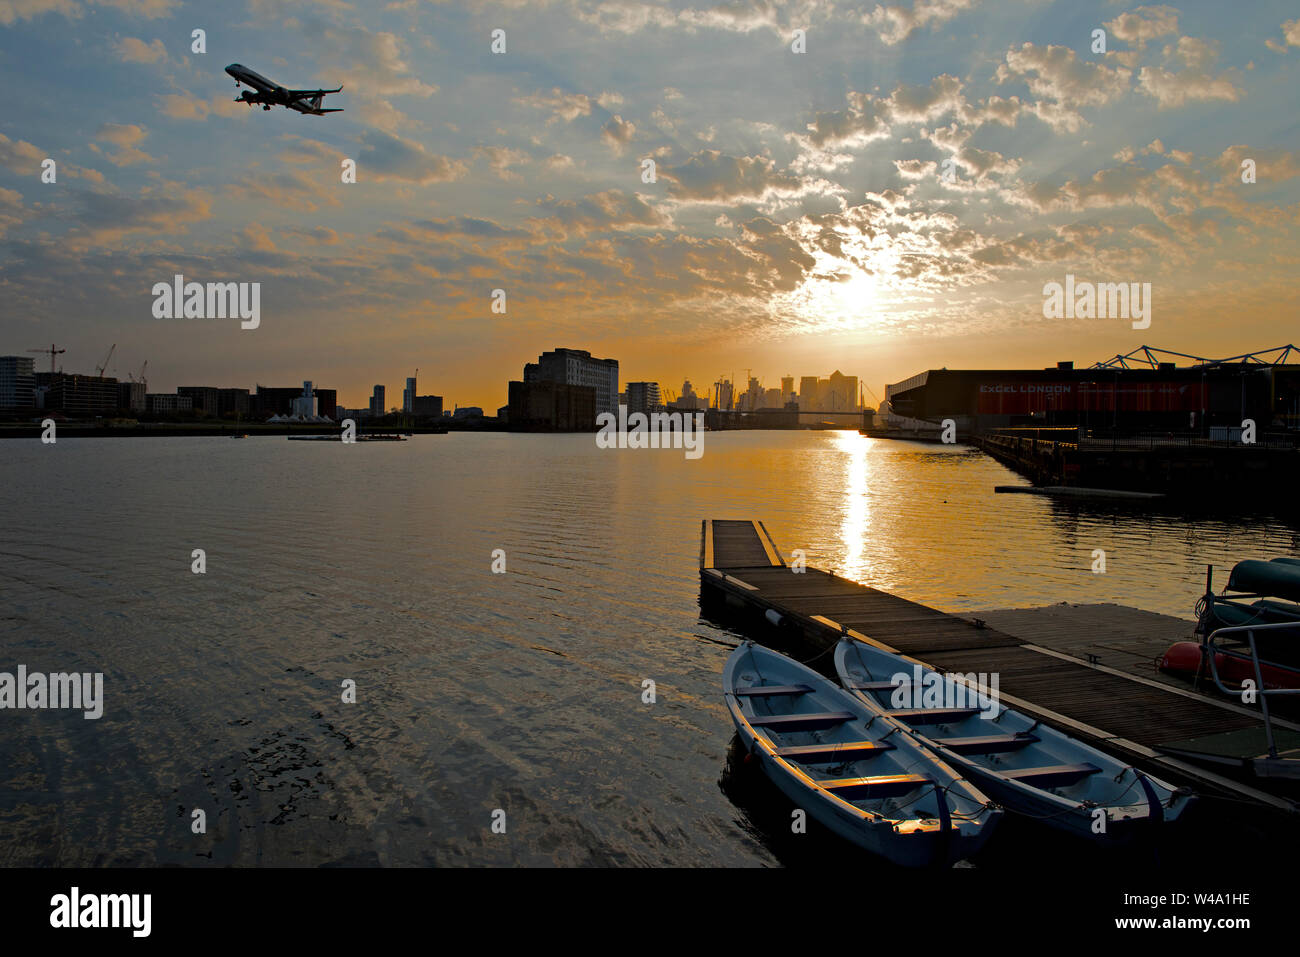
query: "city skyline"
894, 198
845, 394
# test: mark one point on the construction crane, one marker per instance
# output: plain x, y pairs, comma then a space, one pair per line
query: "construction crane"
99, 369
139, 376
52, 351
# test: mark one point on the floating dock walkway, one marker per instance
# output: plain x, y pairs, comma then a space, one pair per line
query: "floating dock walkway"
1122, 711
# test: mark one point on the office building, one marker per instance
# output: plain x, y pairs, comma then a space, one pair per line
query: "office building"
78, 396
688, 401
164, 403
130, 396
577, 367
839, 393
203, 399
546, 406
232, 402
643, 397
427, 406
17, 383
327, 401
809, 394
377, 406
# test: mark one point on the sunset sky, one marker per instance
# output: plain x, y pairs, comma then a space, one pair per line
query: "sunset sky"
800, 221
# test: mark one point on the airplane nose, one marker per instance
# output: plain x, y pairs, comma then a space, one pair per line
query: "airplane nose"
232, 68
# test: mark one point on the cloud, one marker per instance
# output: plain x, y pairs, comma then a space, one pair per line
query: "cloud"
1143, 24
11, 210
314, 236
388, 158
560, 104
374, 63
255, 236
20, 156
25, 159
103, 219
1172, 89
373, 66
149, 9
896, 23
287, 189
500, 159
610, 209
713, 177
132, 50
125, 136
12, 11
916, 169
186, 106
920, 104
617, 133
1062, 82
121, 134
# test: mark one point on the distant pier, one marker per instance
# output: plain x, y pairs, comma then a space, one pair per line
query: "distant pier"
1177, 466
1109, 696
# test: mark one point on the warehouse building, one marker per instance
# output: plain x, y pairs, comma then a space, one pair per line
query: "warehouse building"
1127, 395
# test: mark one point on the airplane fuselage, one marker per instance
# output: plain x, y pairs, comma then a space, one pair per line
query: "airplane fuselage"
269, 93
261, 84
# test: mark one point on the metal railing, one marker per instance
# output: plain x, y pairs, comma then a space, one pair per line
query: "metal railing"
1212, 649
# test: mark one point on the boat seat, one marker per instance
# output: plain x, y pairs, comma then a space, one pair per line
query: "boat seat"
802, 722
828, 753
764, 691
988, 743
874, 685
1057, 775
933, 715
882, 785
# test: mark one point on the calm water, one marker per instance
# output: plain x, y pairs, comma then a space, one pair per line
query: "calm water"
476, 691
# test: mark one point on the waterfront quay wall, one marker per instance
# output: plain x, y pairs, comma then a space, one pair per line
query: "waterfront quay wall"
1179, 467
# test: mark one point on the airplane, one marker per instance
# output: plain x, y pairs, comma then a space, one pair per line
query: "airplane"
272, 94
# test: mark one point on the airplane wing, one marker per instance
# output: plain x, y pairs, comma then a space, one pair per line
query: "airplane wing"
298, 93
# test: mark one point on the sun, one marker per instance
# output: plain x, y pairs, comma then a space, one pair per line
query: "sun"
841, 296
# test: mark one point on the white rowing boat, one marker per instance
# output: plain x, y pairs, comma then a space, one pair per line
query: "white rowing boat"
1021, 763
858, 774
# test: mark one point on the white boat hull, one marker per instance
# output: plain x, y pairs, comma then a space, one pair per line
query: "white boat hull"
1091, 794
909, 826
